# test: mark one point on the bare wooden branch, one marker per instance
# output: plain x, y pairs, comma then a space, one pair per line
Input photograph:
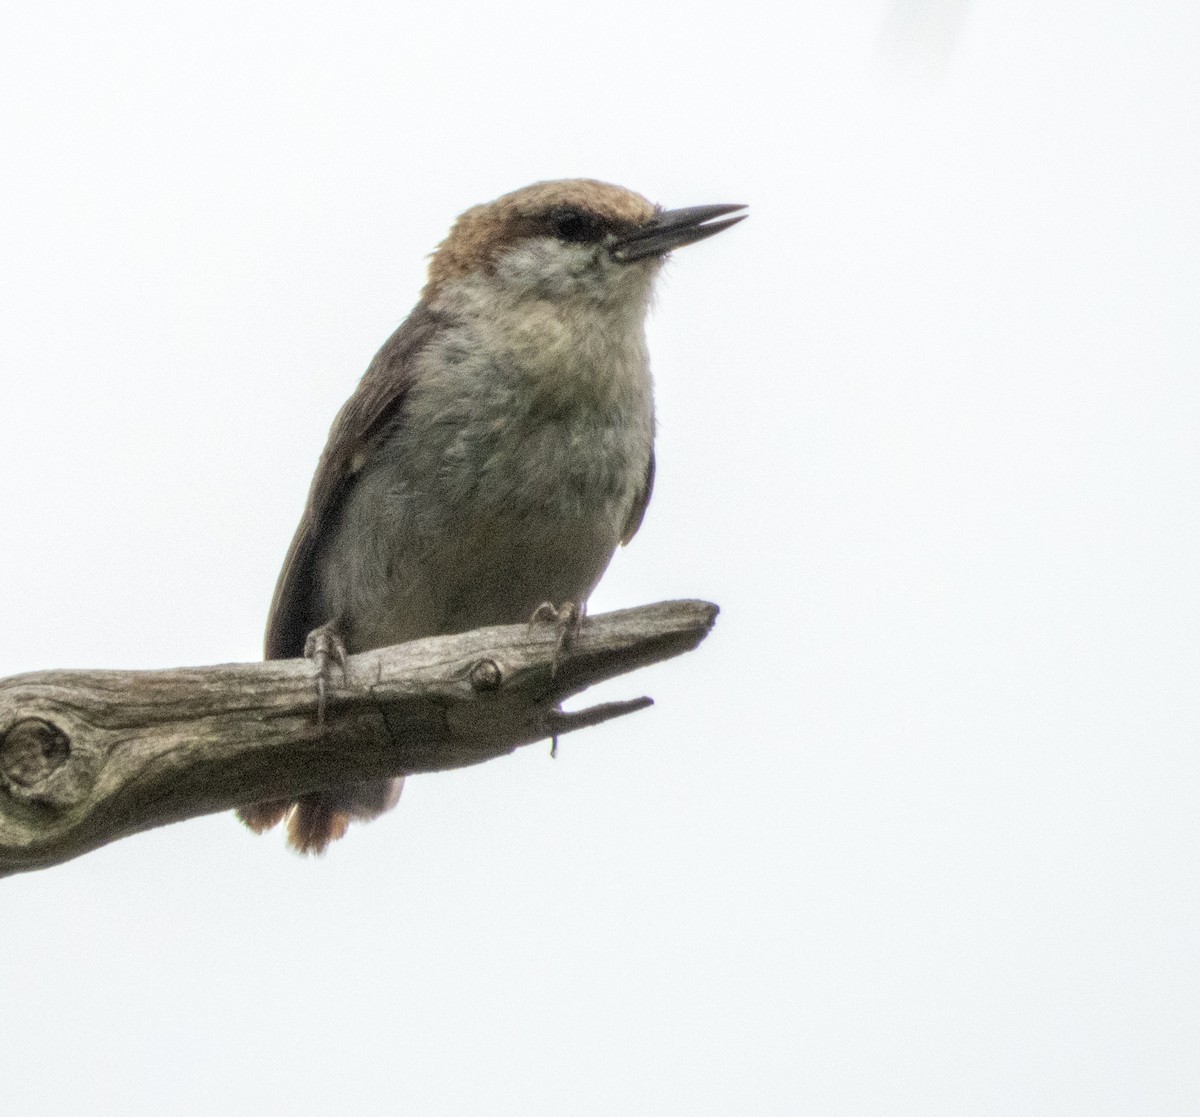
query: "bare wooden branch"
87, 757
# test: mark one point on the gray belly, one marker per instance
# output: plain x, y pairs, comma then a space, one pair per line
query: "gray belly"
433, 544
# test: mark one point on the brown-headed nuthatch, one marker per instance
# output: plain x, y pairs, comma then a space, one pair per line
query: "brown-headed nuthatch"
498, 449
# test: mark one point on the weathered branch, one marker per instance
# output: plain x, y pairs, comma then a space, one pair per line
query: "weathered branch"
87, 757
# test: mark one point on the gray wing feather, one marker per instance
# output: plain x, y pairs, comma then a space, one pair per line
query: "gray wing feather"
375, 404
638, 512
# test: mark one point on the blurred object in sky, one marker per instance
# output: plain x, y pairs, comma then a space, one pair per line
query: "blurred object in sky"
919, 36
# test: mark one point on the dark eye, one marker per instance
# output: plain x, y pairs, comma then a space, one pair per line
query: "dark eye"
572, 225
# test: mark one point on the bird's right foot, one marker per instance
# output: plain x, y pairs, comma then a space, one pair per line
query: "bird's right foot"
565, 618
325, 646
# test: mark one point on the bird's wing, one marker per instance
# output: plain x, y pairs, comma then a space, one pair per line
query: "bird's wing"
638, 512
376, 402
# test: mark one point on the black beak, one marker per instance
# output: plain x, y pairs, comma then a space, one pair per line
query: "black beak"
674, 228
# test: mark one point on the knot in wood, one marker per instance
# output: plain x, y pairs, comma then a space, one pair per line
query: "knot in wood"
486, 675
32, 750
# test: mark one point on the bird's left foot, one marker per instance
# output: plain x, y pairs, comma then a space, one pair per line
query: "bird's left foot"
324, 647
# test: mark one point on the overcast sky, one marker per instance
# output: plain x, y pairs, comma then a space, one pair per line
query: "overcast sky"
915, 831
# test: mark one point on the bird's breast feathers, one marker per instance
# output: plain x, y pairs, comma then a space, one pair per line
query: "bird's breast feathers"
547, 412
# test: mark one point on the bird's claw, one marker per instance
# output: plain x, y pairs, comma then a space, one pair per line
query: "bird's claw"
566, 618
323, 645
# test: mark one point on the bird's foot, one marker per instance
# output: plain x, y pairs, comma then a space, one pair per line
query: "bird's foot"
566, 619
324, 647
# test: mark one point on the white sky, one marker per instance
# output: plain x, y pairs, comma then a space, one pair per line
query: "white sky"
915, 832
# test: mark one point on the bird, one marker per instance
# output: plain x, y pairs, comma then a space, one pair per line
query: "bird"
495, 454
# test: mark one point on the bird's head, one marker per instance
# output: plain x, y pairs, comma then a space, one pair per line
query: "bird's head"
571, 241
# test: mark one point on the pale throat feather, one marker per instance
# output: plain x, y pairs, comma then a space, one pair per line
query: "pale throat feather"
574, 369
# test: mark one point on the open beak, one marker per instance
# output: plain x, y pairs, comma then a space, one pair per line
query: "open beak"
673, 228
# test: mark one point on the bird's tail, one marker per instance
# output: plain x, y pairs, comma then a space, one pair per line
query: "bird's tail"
315, 820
